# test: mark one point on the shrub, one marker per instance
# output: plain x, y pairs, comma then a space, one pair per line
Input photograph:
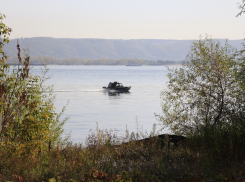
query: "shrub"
28, 121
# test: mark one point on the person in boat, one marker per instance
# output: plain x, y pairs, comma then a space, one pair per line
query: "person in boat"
114, 85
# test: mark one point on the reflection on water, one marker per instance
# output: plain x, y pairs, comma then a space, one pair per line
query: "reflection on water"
114, 94
117, 94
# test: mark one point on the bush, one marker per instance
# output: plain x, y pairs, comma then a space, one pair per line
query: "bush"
28, 121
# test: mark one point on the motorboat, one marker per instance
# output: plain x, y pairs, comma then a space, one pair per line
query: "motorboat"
116, 86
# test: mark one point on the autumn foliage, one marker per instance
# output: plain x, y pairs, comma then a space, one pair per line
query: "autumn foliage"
28, 121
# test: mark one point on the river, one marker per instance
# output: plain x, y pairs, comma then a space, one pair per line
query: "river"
89, 105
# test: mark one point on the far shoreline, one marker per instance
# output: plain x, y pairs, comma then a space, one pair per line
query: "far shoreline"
97, 65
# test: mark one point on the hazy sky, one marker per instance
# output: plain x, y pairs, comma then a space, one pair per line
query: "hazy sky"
124, 19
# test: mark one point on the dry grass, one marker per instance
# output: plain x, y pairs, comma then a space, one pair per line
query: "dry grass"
107, 157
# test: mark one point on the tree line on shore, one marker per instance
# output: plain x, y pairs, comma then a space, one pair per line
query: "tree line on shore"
38, 60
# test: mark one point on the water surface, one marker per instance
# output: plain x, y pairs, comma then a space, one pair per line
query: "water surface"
89, 104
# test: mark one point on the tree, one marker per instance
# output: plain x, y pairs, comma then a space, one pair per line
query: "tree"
4, 32
28, 121
242, 8
205, 91
241, 53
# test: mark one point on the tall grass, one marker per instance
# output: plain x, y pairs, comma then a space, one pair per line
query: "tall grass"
213, 155
224, 145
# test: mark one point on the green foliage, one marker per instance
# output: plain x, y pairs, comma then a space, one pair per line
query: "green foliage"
205, 102
241, 71
204, 92
4, 31
28, 121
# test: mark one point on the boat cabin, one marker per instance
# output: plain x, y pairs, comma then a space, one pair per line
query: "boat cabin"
115, 85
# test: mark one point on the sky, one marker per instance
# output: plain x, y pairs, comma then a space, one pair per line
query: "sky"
124, 19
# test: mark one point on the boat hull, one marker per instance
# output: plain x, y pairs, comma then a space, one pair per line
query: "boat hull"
119, 89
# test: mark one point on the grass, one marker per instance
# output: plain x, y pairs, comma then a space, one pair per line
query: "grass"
107, 157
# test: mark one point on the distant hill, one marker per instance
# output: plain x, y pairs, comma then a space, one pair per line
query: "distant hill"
146, 49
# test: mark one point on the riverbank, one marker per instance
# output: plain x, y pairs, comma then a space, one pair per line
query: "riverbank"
104, 157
